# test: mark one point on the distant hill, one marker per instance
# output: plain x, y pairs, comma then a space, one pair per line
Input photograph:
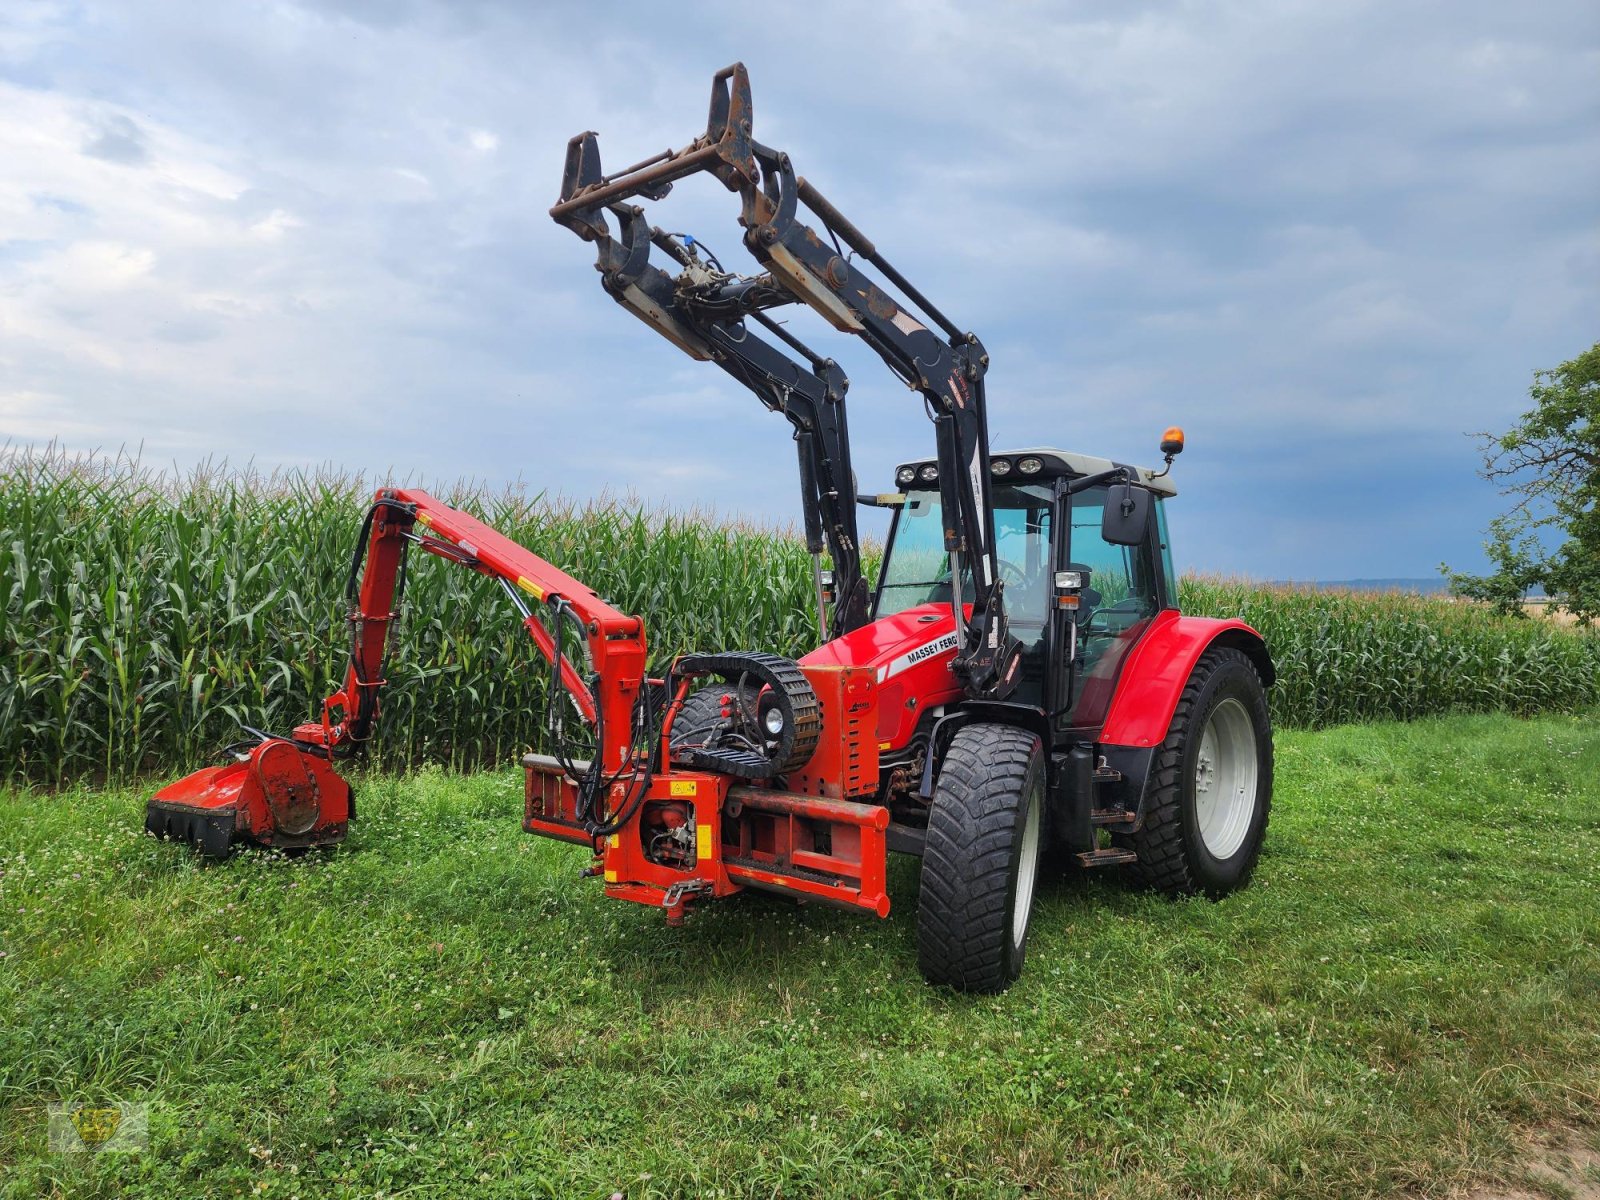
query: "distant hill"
1427, 586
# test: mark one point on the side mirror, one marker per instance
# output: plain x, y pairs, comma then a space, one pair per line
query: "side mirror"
1126, 517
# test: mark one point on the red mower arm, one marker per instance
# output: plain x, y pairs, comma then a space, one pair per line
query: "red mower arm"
285, 792
401, 517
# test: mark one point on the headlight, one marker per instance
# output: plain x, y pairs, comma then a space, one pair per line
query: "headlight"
906, 475
1000, 466
928, 473
772, 721
1030, 466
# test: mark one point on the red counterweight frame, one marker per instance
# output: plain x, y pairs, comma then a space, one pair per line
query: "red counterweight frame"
817, 842
816, 847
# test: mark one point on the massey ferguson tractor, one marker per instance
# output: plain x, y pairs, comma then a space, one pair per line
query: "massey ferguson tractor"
1016, 686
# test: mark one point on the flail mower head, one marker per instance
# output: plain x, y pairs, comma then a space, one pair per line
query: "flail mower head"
278, 793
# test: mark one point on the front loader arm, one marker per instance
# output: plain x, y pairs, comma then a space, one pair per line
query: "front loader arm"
707, 313
803, 267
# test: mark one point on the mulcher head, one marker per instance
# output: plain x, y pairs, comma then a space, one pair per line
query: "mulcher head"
279, 794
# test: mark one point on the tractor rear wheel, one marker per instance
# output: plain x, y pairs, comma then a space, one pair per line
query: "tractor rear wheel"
981, 861
1211, 783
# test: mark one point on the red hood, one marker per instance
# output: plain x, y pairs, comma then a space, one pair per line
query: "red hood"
910, 653
918, 634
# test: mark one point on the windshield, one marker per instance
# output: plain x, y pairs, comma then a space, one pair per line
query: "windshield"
916, 569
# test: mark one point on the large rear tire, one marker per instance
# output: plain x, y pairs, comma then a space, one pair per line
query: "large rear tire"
981, 860
1211, 787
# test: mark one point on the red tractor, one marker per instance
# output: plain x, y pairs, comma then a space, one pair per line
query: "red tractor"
1019, 680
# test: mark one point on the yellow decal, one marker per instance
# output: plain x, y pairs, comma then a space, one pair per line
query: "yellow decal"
683, 787
424, 519
702, 843
883, 745
529, 586
616, 840
611, 876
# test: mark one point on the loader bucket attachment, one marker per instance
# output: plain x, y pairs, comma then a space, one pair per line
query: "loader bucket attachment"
281, 795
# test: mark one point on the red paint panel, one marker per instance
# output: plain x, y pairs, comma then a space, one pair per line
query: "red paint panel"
277, 780
1155, 673
910, 654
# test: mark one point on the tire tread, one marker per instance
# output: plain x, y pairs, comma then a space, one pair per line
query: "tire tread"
963, 922
1163, 863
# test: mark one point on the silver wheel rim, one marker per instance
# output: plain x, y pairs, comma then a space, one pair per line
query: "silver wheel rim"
1027, 869
1225, 778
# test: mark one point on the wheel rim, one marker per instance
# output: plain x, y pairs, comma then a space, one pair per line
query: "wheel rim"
1027, 869
1225, 776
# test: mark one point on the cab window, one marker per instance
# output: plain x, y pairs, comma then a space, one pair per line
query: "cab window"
916, 568
1121, 597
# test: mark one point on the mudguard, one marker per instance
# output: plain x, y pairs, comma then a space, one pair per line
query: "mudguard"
1154, 675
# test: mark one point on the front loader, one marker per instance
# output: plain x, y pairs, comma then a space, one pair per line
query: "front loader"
1017, 680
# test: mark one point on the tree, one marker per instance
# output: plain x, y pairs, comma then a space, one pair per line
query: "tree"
1550, 461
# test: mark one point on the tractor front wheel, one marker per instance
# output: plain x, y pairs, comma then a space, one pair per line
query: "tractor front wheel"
1211, 785
981, 861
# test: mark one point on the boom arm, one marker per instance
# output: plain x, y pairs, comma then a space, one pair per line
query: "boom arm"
700, 311
614, 642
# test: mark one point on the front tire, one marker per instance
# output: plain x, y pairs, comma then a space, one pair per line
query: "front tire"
981, 860
1211, 787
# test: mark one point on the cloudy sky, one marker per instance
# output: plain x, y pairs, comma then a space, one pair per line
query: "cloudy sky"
1326, 238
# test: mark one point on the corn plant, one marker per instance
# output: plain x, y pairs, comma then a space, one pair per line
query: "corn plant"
144, 617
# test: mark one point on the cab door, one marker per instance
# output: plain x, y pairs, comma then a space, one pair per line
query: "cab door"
1127, 586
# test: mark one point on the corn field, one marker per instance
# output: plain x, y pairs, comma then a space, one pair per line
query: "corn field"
145, 617
1344, 657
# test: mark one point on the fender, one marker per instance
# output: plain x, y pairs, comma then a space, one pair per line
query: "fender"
1000, 712
1158, 668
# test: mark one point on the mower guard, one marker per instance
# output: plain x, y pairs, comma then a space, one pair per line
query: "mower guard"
280, 794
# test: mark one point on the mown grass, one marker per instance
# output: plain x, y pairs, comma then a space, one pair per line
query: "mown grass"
441, 1004
144, 618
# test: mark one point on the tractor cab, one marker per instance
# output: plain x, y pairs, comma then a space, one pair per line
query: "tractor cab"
1076, 601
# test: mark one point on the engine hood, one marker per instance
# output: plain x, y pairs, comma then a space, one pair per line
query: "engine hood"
893, 644
911, 655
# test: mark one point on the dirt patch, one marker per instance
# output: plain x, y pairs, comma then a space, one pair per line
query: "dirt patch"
1560, 1163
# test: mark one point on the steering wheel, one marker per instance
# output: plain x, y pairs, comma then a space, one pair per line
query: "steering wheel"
1011, 574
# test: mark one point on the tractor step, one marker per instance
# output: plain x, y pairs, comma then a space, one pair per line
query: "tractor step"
1111, 816
1107, 858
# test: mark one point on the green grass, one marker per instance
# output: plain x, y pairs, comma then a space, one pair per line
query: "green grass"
144, 617
1413, 977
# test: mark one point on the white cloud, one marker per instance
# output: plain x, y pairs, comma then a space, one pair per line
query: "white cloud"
275, 224
315, 231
